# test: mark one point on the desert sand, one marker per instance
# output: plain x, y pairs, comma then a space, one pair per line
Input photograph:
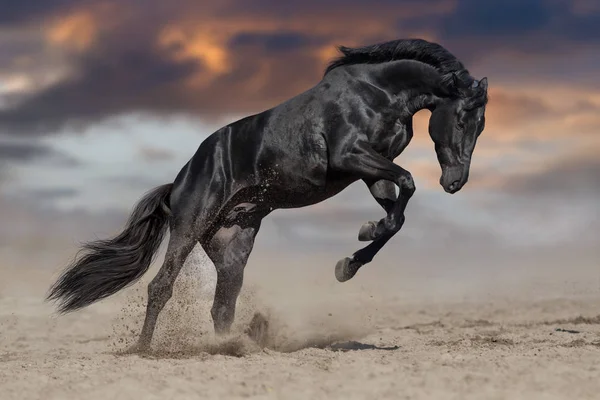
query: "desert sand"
486, 339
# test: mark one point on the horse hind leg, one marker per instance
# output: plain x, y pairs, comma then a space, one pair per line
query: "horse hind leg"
229, 250
185, 234
160, 289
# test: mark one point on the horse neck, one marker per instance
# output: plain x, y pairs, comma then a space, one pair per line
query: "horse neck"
414, 85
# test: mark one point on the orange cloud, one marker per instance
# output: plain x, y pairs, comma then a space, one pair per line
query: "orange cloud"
200, 44
78, 29
75, 31
542, 114
240, 81
527, 130
199, 35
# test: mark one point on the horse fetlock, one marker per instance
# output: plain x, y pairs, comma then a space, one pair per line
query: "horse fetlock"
222, 316
389, 224
367, 231
407, 185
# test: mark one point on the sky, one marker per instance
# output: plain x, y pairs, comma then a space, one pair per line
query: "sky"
100, 101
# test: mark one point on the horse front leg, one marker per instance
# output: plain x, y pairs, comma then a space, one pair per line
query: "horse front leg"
371, 166
384, 192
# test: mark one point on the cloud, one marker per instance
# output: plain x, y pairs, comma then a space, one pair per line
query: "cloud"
274, 42
80, 63
509, 110
155, 154
230, 64
22, 11
540, 26
235, 57
566, 178
513, 17
109, 83
15, 152
555, 202
23, 151
43, 195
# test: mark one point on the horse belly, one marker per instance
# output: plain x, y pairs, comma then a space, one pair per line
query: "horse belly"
303, 189
294, 173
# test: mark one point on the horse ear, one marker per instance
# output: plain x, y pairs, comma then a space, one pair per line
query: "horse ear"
484, 83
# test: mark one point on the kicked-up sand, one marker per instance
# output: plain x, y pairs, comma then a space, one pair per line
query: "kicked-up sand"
365, 339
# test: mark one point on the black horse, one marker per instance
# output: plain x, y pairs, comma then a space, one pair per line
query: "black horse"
349, 127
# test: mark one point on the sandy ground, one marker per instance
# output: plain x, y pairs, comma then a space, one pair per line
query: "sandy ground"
360, 340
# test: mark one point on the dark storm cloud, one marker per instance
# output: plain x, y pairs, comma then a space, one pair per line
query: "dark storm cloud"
336, 8
584, 28
13, 11
475, 30
125, 70
23, 153
111, 81
13, 47
491, 18
121, 77
535, 26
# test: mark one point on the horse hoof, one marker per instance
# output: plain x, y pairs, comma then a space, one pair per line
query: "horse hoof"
258, 330
367, 231
346, 268
137, 348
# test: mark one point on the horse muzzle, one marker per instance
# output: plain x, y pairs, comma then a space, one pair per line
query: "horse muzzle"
454, 178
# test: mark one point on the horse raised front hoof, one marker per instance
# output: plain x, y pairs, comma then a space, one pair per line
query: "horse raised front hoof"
346, 268
367, 231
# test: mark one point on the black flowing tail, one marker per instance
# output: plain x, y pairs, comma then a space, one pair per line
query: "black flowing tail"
108, 266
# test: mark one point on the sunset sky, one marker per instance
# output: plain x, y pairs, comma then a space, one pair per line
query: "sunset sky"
101, 101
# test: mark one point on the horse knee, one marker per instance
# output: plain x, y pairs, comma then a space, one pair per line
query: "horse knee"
223, 314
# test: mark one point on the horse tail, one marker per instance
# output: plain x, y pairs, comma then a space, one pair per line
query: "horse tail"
108, 266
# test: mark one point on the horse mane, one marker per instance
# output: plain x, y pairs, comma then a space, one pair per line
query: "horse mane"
454, 74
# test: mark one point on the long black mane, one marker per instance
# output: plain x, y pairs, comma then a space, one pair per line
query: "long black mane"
454, 74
